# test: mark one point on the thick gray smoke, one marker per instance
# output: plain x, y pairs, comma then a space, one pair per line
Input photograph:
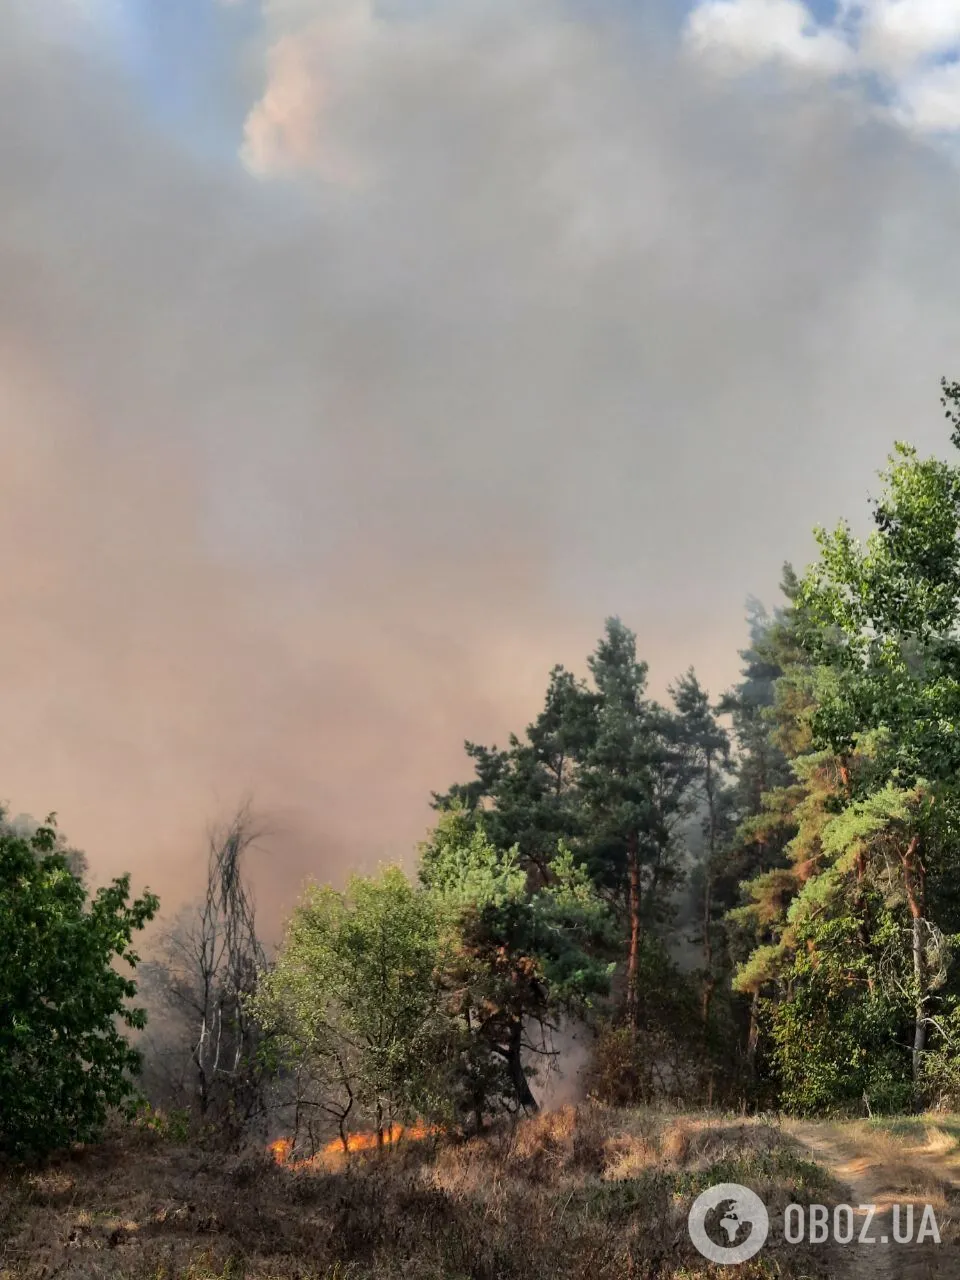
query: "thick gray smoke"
327, 431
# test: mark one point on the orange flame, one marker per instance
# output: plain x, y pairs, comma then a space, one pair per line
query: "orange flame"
282, 1149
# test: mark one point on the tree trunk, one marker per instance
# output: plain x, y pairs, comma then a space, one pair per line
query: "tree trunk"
753, 1035
860, 907
633, 957
914, 884
709, 981
709, 986
515, 1066
342, 1121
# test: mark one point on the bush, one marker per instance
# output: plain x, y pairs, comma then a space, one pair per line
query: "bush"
838, 1049
63, 1062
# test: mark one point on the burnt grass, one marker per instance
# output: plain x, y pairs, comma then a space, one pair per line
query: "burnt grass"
587, 1193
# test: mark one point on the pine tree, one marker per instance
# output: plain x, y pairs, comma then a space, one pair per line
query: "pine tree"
520, 958
867, 718
707, 746
528, 792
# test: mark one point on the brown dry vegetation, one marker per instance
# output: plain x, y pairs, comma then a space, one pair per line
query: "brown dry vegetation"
908, 1160
930, 1143
584, 1192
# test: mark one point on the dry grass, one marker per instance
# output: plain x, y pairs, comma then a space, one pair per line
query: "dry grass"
933, 1136
900, 1162
896, 1158
576, 1193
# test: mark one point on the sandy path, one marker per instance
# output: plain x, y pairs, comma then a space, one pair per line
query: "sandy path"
883, 1173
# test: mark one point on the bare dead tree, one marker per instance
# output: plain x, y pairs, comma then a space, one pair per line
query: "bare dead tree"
211, 962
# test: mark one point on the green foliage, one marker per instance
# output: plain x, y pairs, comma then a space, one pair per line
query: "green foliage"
528, 793
463, 868
521, 957
836, 1050
172, 1126
403, 1000
941, 1067
882, 616
559, 926
353, 994
669, 1051
63, 1062
625, 820
611, 776
852, 928
637, 779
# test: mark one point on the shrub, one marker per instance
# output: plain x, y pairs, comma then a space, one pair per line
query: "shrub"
63, 1061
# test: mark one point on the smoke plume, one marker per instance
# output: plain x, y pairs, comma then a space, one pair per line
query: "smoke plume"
341, 401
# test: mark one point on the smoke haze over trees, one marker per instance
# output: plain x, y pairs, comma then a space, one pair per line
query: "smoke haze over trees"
353, 368
800, 834
356, 362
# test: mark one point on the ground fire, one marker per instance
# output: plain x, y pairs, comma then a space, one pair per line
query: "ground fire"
282, 1149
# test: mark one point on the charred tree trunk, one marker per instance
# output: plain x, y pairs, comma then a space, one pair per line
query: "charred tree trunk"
518, 1077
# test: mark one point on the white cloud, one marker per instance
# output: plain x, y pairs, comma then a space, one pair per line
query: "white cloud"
895, 34
331, 67
898, 43
751, 31
930, 101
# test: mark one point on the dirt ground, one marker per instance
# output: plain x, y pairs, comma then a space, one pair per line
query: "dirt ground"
914, 1162
575, 1194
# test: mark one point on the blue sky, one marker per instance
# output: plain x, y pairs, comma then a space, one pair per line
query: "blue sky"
185, 58
199, 65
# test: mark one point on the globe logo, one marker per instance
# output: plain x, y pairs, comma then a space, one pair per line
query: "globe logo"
732, 1214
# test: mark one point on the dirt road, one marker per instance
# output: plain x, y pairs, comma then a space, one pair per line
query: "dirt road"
878, 1169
